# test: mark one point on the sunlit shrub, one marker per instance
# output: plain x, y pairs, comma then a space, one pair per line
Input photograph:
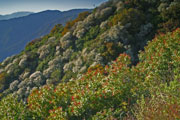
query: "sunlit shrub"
57, 29
163, 104
69, 24
12, 109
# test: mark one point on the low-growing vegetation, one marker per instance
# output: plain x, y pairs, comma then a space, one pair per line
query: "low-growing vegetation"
120, 61
115, 91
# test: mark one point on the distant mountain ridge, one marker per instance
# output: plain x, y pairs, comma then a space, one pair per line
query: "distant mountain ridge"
14, 15
16, 33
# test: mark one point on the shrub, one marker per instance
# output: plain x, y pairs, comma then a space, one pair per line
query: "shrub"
112, 50
12, 109
116, 88
42, 65
170, 18
69, 24
57, 29
92, 33
108, 114
108, 92
56, 76
2, 80
39, 102
163, 104
133, 16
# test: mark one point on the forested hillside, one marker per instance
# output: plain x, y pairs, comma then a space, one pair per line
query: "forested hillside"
16, 33
120, 61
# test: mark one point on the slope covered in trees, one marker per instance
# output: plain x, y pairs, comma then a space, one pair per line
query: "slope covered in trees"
75, 72
112, 92
17, 32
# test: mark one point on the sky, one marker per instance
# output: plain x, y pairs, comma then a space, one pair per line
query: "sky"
11, 6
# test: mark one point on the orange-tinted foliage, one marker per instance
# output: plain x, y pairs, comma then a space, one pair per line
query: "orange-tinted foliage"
2, 80
57, 28
69, 24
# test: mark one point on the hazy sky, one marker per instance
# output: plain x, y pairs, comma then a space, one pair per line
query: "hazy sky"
10, 6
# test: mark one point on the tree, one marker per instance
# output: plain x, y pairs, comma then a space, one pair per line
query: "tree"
57, 29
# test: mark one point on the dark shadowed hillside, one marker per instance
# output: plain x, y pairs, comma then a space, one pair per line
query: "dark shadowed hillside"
16, 33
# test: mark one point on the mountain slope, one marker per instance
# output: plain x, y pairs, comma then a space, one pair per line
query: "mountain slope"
91, 67
15, 15
116, 91
16, 33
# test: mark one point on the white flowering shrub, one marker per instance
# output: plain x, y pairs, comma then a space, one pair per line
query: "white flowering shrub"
91, 55
6, 61
106, 12
117, 33
90, 20
1, 71
15, 60
65, 41
23, 62
9, 66
44, 51
14, 85
119, 6
80, 33
162, 7
68, 66
21, 91
83, 69
47, 72
37, 78
24, 75
56, 61
51, 39
104, 25
67, 54
24, 83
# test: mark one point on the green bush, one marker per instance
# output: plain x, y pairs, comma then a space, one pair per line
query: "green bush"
57, 29
117, 87
88, 37
133, 16
56, 76
112, 50
42, 65
109, 92
12, 109
163, 104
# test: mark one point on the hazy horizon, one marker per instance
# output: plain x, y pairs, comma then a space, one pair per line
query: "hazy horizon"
41, 11
12, 6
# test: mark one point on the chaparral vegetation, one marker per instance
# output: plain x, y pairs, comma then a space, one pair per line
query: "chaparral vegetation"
120, 61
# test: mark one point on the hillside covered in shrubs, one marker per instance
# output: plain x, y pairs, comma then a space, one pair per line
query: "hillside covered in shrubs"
15, 33
120, 61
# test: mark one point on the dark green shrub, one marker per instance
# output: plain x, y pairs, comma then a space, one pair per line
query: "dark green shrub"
56, 76
170, 18
133, 16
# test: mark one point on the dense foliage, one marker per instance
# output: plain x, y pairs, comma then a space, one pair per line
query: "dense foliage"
75, 72
16, 33
116, 91
70, 24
